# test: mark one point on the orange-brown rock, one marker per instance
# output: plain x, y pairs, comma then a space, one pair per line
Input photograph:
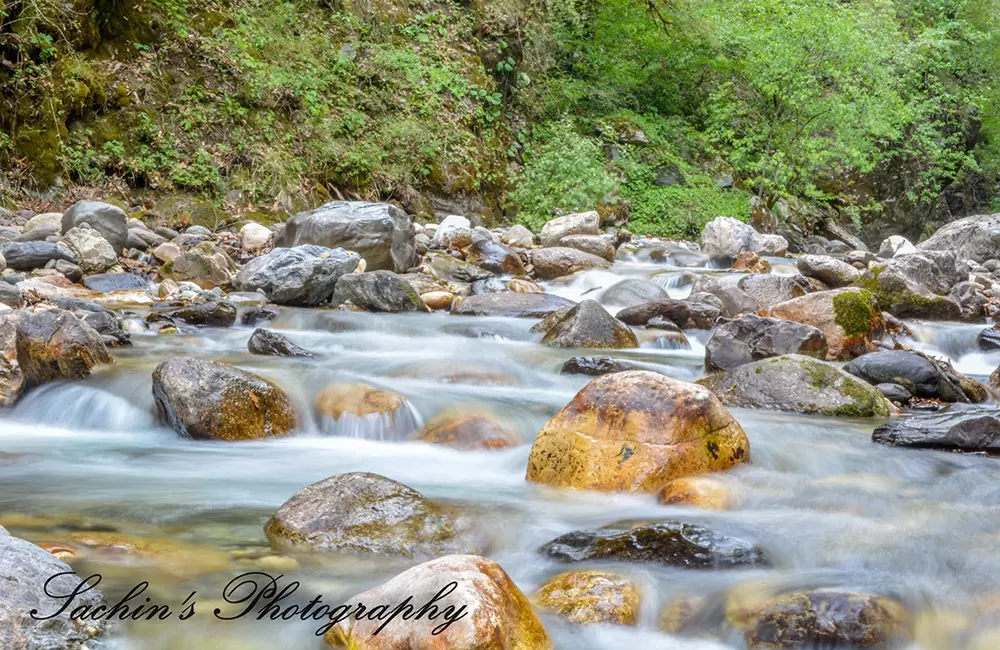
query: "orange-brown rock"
635, 432
336, 400
850, 319
705, 492
468, 430
495, 614
588, 597
751, 263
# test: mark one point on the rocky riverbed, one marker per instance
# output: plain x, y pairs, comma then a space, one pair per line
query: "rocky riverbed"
749, 441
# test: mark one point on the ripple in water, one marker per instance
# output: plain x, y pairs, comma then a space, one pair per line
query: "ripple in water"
76, 406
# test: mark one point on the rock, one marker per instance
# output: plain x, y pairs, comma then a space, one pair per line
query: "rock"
143, 238
593, 244
773, 289
213, 313
206, 400
895, 246
368, 513
468, 430
358, 410
205, 265
551, 263
849, 318
27, 256
518, 236
752, 338
735, 301
271, 343
972, 301
588, 325
581, 223
988, 339
24, 569
496, 258
680, 613
380, 291
968, 430
828, 270
11, 377
382, 234
305, 275
167, 252
511, 304
973, 238
686, 314
488, 611
438, 300
827, 619
110, 221
595, 366
914, 372
670, 543
254, 237
111, 282
51, 221
53, 344
72, 272
703, 492
632, 292
93, 253
634, 432
253, 316
591, 597
751, 263
10, 295
728, 237
914, 286
453, 232
800, 384
894, 393
447, 268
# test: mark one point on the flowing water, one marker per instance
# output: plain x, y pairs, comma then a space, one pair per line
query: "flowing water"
831, 508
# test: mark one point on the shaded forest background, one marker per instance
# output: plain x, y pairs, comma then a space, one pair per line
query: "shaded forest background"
882, 116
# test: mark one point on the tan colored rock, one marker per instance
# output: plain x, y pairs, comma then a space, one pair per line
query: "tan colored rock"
591, 597
468, 430
438, 300
705, 492
751, 263
635, 432
678, 613
850, 319
205, 265
336, 400
496, 615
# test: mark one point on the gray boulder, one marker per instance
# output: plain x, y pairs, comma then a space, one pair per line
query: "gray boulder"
26, 571
686, 314
968, 430
511, 304
588, 325
800, 384
916, 285
729, 237
382, 234
110, 221
632, 292
556, 262
593, 244
752, 338
267, 342
368, 513
110, 282
830, 271
305, 275
213, 313
581, 223
912, 371
973, 238
735, 301
768, 289
895, 246
93, 252
27, 256
382, 291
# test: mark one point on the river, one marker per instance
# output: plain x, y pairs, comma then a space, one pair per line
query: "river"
831, 508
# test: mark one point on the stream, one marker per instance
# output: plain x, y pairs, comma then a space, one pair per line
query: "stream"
831, 508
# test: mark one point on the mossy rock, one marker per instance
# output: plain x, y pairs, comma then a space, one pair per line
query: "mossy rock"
636, 431
591, 597
851, 319
370, 514
800, 384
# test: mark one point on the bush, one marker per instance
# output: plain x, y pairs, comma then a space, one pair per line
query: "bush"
563, 172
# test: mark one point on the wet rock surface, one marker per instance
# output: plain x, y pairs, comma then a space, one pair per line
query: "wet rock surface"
972, 430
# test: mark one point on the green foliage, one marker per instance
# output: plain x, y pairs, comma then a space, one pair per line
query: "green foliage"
563, 172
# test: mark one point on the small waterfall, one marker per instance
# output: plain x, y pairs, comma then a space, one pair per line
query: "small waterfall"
77, 406
394, 426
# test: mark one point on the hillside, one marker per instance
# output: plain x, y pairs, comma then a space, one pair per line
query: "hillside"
876, 114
